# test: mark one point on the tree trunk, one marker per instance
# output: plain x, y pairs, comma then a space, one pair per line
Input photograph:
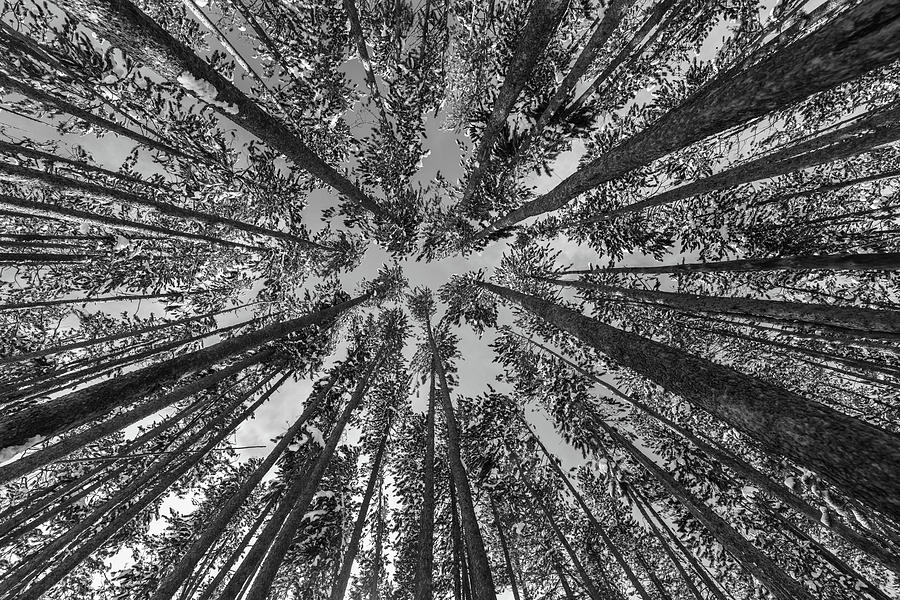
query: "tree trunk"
543, 19
168, 478
360, 39
482, 583
73, 215
52, 417
88, 300
887, 261
170, 583
652, 575
455, 541
589, 586
855, 320
141, 38
856, 457
18, 173
425, 564
340, 586
510, 573
567, 589
259, 589
44, 258
856, 42
375, 582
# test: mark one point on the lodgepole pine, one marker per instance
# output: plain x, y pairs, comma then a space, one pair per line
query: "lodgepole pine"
126, 27
856, 457
425, 562
340, 586
50, 418
482, 582
853, 44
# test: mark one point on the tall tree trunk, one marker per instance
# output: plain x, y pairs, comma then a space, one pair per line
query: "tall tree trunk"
482, 582
854, 320
425, 563
375, 582
340, 586
886, 261
59, 183
856, 42
856, 457
265, 576
660, 589
170, 583
510, 573
142, 39
73, 215
50, 418
543, 19
567, 589
455, 541
95, 300
360, 39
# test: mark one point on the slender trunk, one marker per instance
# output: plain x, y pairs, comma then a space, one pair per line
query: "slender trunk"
652, 575
62, 213
856, 457
50, 418
855, 320
44, 258
340, 586
360, 39
169, 477
510, 573
141, 38
608, 542
856, 42
375, 582
456, 541
67, 107
887, 261
52, 181
170, 583
425, 564
481, 571
543, 19
514, 552
88, 300
265, 576
589, 586
567, 589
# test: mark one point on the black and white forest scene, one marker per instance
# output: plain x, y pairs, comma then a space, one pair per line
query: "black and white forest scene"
450, 299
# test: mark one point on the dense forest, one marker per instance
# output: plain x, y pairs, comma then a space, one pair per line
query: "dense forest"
450, 299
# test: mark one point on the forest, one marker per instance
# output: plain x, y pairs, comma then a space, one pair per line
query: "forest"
449, 299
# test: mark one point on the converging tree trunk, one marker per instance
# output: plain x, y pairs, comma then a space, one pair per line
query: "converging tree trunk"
425, 563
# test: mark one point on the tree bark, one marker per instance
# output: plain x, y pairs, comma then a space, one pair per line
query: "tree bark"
856, 457
126, 27
360, 39
856, 42
265, 575
854, 320
886, 261
340, 586
482, 582
89, 300
510, 573
424, 566
543, 19
52, 417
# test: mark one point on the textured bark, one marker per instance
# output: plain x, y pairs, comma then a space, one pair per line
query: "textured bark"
886, 261
425, 564
265, 576
170, 583
543, 19
855, 43
167, 479
67, 107
455, 541
854, 320
482, 582
375, 581
141, 38
858, 458
74, 215
607, 541
71, 443
864, 543
510, 572
68, 185
340, 586
52, 417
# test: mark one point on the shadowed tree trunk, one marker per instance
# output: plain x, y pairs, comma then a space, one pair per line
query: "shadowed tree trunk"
510, 573
887, 261
375, 581
856, 457
543, 19
340, 586
856, 42
482, 582
51, 418
425, 564
567, 589
360, 40
855, 320
141, 38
